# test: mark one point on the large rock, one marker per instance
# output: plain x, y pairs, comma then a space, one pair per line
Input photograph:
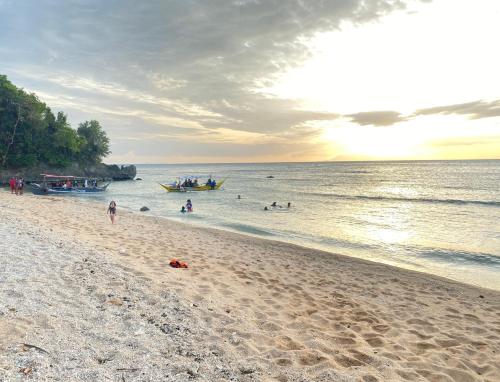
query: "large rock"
100, 171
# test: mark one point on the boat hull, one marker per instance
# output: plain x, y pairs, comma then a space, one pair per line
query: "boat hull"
203, 187
40, 189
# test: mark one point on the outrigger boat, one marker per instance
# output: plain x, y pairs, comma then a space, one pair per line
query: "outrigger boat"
65, 184
177, 187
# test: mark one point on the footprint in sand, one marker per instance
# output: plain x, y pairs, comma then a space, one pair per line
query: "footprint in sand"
286, 343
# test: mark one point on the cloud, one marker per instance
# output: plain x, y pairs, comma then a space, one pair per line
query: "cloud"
475, 110
376, 118
173, 65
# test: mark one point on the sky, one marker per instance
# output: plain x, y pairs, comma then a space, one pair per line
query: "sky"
185, 81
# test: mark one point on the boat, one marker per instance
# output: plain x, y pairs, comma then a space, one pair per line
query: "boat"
51, 185
201, 187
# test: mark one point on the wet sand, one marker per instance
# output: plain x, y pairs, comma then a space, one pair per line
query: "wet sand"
100, 302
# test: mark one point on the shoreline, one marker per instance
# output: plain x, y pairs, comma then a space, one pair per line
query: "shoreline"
411, 273
292, 312
272, 238
275, 241
321, 251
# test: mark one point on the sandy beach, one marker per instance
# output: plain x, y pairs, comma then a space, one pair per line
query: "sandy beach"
84, 300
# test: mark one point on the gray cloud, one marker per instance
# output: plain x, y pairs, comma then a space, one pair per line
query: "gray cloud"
172, 64
376, 118
476, 110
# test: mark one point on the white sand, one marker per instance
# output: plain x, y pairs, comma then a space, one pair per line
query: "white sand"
103, 304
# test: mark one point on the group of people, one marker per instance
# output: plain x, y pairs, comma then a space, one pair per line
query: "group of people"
69, 184
276, 205
188, 183
211, 183
188, 207
16, 185
184, 209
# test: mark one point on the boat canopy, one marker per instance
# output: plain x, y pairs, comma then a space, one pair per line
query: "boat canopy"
63, 176
201, 178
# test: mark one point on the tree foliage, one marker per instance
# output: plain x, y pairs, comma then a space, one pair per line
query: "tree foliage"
95, 143
30, 133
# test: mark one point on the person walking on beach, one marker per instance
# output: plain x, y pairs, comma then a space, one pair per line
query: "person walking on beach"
19, 186
12, 185
112, 211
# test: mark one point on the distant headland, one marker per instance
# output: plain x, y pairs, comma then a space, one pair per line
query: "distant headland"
34, 140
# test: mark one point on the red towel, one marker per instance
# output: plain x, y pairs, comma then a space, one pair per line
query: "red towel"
174, 263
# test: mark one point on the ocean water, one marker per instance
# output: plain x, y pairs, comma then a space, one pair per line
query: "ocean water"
439, 217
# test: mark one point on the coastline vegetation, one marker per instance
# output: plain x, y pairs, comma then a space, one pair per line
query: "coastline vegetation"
31, 134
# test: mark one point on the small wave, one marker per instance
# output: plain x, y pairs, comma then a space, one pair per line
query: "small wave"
355, 172
415, 200
247, 229
455, 256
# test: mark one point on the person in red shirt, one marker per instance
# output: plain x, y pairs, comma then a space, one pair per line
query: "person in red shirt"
12, 184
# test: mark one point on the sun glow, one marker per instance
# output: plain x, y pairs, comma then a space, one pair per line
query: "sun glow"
404, 62
368, 142
408, 61
423, 137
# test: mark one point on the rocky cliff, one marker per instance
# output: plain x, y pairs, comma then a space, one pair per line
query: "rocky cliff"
100, 171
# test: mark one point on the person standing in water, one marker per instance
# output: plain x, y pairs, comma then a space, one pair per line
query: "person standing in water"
189, 206
112, 211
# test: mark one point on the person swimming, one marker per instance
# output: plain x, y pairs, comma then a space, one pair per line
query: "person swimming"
266, 209
274, 204
183, 209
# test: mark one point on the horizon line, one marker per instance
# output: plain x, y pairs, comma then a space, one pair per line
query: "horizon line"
304, 162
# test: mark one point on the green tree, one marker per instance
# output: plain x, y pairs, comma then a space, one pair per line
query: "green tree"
95, 142
21, 120
10, 117
30, 133
60, 144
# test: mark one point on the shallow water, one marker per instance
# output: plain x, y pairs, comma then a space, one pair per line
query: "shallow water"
440, 217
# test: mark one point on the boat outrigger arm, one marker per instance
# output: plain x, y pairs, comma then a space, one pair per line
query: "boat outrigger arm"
47, 187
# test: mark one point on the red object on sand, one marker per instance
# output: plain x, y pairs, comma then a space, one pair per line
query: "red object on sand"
174, 263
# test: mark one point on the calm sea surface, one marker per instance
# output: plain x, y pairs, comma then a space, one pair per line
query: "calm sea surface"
440, 217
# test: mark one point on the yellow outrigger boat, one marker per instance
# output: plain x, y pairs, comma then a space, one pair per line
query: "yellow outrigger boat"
201, 187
